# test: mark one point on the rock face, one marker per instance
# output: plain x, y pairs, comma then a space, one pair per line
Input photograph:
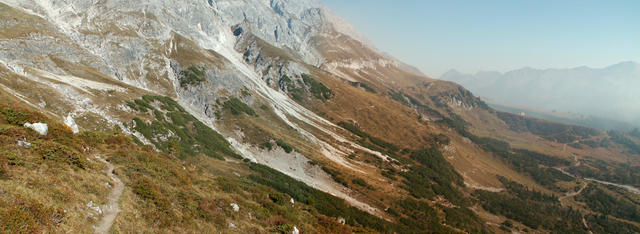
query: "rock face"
87, 59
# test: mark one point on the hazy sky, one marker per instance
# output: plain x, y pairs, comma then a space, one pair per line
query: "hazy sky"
436, 36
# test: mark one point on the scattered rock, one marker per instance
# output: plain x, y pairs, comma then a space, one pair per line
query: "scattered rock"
40, 128
231, 225
24, 144
450, 148
72, 124
94, 207
235, 207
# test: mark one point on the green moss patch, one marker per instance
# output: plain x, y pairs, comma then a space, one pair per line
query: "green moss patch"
237, 107
177, 132
191, 76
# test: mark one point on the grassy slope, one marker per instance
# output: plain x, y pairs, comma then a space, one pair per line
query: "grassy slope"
476, 163
47, 186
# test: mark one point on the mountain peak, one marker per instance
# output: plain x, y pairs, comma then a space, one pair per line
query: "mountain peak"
626, 65
451, 72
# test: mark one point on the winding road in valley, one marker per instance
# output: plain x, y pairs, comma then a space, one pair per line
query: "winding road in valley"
573, 194
623, 186
112, 208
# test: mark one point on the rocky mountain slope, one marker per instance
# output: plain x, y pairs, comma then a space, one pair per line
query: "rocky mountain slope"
268, 116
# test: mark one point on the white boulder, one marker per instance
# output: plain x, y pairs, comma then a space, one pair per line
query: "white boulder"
41, 128
24, 144
72, 124
235, 207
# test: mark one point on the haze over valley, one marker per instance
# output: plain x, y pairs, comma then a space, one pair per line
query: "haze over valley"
612, 92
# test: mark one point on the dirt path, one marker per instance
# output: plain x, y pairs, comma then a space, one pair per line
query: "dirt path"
586, 225
112, 209
576, 193
573, 194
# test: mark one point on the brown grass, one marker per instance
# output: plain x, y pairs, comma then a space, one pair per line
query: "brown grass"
44, 191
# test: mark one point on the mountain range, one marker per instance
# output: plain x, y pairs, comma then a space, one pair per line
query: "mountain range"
600, 92
255, 116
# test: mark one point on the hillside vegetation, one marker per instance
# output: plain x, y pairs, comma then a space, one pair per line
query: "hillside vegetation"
47, 186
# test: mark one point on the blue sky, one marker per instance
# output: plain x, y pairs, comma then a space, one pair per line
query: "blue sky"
470, 36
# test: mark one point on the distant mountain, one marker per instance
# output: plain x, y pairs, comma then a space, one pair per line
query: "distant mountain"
611, 92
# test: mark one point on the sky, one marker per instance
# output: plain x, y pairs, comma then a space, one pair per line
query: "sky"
491, 35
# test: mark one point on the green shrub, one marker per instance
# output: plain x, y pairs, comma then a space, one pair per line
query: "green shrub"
435, 176
599, 200
336, 175
318, 90
3, 166
325, 204
353, 129
151, 194
282, 226
605, 224
191, 76
28, 216
278, 198
521, 160
237, 107
420, 216
363, 86
191, 136
464, 219
143, 106
360, 182
12, 159
383, 144
267, 145
389, 173
531, 208
159, 116
296, 95
309, 86
226, 185
93, 137
57, 152
562, 133
399, 96
145, 189
377, 144
286, 147
132, 105
624, 140
18, 116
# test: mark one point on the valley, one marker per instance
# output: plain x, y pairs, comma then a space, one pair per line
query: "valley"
172, 116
